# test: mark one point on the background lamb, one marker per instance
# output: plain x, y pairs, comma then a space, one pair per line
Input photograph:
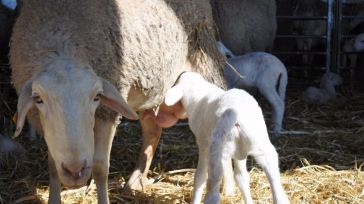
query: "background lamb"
226, 124
262, 71
326, 92
110, 52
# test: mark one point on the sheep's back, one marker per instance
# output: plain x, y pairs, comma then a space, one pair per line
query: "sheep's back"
141, 45
246, 25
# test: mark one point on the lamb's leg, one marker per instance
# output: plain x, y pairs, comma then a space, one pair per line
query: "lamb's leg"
216, 159
151, 135
200, 176
104, 134
269, 162
242, 180
277, 105
215, 173
228, 178
54, 183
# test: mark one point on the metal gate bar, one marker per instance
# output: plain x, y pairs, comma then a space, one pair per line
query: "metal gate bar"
329, 29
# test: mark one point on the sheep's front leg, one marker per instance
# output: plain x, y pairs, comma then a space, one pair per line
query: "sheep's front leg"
54, 183
104, 133
151, 135
200, 176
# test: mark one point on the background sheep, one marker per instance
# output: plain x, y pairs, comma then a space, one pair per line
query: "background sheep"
326, 92
6, 23
245, 25
353, 45
101, 51
264, 72
11, 4
226, 124
308, 8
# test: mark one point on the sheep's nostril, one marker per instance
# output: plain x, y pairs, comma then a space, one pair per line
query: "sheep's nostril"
74, 169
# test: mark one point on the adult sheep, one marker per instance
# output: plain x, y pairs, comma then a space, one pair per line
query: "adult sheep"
245, 25
6, 22
68, 56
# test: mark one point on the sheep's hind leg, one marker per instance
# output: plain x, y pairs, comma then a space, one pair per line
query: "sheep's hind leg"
269, 162
215, 170
242, 180
277, 105
54, 183
104, 135
151, 135
228, 178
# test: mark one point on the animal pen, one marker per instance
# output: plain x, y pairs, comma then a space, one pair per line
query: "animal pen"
321, 149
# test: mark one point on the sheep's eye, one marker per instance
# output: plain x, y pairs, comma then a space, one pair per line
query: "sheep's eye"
37, 99
97, 97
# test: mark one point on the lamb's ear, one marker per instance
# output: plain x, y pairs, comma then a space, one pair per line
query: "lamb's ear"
173, 95
25, 103
112, 99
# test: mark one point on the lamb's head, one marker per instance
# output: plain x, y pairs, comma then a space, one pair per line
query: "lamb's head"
66, 95
330, 79
224, 50
188, 82
359, 42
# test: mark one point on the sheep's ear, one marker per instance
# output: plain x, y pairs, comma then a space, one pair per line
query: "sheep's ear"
25, 103
173, 95
112, 99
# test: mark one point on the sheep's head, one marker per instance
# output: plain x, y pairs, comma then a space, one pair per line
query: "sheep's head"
66, 94
359, 42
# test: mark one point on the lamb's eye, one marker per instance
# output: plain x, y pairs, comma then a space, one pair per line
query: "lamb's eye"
37, 99
97, 97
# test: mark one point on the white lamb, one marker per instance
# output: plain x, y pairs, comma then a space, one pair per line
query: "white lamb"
326, 92
262, 71
226, 125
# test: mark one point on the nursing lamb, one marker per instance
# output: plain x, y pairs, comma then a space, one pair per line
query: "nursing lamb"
225, 124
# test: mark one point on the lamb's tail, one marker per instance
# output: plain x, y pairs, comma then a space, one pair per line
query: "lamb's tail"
224, 125
282, 84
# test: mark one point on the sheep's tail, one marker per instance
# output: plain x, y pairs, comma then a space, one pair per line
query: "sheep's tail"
282, 84
223, 126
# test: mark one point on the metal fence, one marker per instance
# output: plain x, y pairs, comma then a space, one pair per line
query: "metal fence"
333, 36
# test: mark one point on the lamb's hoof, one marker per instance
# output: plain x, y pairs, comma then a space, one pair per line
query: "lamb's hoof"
277, 130
276, 133
136, 183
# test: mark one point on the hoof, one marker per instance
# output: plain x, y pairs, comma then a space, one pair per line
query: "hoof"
136, 183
